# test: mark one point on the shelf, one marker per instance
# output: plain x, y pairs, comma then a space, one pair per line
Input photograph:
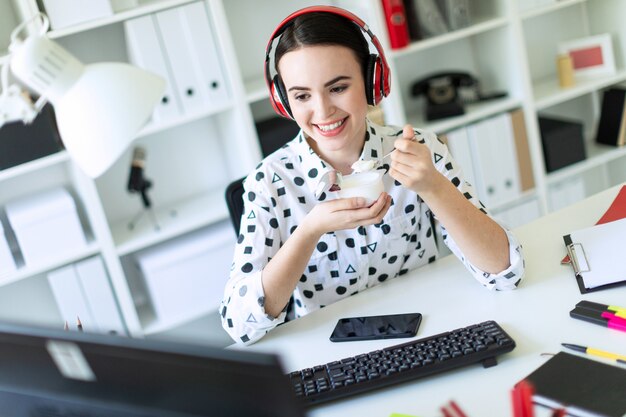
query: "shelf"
548, 93
174, 220
473, 112
146, 7
31, 270
475, 29
542, 10
256, 90
47, 161
597, 155
152, 128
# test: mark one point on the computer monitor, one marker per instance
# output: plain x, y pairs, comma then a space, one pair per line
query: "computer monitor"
54, 373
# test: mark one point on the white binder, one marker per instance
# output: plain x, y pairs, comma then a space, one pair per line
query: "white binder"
70, 299
177, 39
145, 51
482, 155
458, 143
507, 171
205, 50
97, 290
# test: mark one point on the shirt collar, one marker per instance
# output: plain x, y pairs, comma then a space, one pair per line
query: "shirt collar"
317, 170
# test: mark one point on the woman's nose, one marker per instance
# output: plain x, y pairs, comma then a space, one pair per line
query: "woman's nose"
324, 107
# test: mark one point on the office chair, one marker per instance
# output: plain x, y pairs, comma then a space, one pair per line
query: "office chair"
234, 201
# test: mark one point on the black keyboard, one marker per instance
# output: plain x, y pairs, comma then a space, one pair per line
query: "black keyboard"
416, 359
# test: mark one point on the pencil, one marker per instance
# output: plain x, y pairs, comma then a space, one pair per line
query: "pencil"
79, 324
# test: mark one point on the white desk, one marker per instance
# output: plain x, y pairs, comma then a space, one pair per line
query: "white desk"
536, 315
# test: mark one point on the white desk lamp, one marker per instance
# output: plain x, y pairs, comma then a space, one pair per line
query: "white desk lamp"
99, 107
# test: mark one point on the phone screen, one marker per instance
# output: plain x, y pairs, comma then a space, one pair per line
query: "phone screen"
376, 327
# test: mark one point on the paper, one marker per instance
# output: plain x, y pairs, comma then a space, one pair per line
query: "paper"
604, 251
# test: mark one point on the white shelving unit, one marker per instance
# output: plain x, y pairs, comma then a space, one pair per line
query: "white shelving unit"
191, 159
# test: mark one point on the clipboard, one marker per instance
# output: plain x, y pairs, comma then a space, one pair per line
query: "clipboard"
597, 256
616, 211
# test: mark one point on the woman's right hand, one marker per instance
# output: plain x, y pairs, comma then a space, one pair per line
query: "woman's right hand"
346, 213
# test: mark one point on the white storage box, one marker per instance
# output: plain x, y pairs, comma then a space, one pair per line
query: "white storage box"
46, 225
185, 277
64, 13
7, 263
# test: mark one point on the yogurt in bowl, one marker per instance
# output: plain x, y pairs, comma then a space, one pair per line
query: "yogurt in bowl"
368, 184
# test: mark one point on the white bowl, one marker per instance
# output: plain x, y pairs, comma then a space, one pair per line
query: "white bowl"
368, 185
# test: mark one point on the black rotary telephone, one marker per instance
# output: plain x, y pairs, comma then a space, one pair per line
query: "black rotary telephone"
446, 92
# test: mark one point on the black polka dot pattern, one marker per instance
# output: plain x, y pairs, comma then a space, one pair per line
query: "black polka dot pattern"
280, 194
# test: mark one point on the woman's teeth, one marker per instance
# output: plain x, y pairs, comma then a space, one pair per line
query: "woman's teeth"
328, 128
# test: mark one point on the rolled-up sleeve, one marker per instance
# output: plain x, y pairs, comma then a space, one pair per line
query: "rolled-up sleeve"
504, 280
242, 309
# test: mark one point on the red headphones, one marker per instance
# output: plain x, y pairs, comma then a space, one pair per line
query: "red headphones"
377, 74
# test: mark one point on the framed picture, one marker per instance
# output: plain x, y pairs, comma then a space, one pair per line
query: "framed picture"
591, 56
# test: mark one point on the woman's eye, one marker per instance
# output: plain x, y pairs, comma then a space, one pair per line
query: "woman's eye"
338, 88
301, 97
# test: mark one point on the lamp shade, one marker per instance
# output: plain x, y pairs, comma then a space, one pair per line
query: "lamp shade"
100, 108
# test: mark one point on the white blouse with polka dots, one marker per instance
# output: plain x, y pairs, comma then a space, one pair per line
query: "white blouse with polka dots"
280, 193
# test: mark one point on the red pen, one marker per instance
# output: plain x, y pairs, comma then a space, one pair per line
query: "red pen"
522, 399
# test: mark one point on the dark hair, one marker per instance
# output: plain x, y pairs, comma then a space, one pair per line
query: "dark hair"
322, 28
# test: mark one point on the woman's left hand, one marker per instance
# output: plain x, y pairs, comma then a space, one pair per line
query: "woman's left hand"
412, 164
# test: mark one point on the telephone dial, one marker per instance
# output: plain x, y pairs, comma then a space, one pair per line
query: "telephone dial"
447, 92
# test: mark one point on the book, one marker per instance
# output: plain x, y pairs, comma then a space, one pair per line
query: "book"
596, 255
616, 211
584, 387
612, 124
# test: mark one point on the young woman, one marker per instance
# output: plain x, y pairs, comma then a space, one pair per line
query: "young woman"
300, 246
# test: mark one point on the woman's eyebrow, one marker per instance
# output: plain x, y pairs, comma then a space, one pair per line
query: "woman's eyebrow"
327, 84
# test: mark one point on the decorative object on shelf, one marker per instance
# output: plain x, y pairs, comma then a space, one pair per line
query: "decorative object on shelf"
46, 225
65, 13
446, 92
591, 56
456, 13
430, 19
565, 70
21, 143
99, 108
562, 142
138, 183
397, 25
612, 124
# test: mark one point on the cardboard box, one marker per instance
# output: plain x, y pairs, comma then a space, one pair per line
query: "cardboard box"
562, 141
185, 277
46, 225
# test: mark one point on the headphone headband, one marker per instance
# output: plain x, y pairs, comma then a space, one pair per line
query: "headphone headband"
279, 103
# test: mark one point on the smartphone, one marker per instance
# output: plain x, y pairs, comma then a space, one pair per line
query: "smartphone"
376, 327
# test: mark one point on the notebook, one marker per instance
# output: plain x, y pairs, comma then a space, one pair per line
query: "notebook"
585, 387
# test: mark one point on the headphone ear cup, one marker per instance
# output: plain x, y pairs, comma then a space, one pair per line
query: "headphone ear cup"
378, 92
279, 98
370, 80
